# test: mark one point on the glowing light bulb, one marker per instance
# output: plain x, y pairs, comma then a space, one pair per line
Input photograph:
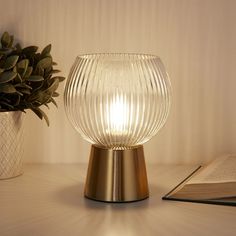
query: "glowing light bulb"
118, 114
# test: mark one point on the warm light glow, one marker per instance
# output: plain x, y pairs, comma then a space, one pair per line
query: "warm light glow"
117, 115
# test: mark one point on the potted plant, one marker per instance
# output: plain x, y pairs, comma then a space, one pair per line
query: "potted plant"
27, 81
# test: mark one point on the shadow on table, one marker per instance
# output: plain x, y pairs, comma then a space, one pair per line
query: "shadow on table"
74, 195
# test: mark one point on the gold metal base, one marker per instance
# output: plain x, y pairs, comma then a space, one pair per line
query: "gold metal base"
116, 175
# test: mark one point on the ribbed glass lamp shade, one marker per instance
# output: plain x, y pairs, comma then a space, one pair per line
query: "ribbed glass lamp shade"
117, 100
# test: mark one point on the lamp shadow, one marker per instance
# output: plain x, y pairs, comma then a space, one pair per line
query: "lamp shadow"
74, 196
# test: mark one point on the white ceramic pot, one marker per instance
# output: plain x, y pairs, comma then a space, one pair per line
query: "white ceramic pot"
11, 144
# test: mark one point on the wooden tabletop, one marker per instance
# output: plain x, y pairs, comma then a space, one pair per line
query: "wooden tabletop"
48, 200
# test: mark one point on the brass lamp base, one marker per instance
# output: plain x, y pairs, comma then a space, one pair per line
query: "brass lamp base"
116, 175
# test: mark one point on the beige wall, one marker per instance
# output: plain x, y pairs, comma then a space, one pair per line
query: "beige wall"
196, 40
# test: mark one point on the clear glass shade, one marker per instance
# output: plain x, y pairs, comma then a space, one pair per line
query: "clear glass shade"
117, 100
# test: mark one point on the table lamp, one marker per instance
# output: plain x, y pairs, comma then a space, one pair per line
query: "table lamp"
117, 102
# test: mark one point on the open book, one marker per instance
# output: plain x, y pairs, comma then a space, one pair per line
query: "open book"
214, 183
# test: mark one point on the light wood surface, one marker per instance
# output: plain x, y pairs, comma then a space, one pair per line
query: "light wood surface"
48, 200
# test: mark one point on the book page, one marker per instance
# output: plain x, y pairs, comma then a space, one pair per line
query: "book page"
223, 169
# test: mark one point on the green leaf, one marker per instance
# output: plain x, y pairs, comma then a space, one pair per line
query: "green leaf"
11, 62
55, 94
18, 78
28, 71
55, 71
17, 100
39, 96
7, 76
2, 63
22, 67
39, 86
6, 39
23, 64
54, 102
11, 41
45, 63
35, 78
40, 113
18, 48
46, 50
7, 88
25, 91
30, 50
37, 111
14, 69
45, 117
60, 78
19, 93
6, 51
23, 85
5, 99
6, 104
39, 71
53, 87
46, 105
48, 70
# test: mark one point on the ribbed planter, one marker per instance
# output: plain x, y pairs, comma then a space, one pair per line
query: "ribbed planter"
11, 144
